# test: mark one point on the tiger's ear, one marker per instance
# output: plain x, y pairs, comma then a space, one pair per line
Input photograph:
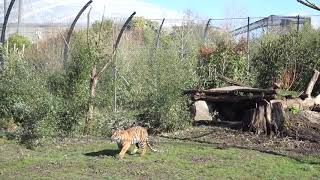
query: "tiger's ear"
119, 128
113, 130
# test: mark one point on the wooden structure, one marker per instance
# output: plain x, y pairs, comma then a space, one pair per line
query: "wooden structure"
251, 106
259, 110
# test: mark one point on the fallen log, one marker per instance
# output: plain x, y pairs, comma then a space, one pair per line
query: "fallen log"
304, 125
269, 114
312, 83
258, 109
231, 90
234, 99
295, 103
304, 101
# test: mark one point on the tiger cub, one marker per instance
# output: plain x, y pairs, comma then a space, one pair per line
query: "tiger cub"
136, 135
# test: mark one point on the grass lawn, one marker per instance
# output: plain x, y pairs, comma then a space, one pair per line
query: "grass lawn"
94, 159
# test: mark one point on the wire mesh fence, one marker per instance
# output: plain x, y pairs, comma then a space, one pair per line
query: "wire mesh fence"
189, 32
147, 76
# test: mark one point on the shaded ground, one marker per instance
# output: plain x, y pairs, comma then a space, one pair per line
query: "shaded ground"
96, 159
226, 138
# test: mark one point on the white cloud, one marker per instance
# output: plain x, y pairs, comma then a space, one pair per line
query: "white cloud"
61, 11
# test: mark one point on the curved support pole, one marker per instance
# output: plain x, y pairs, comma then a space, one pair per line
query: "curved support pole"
5, 22
3, 33
158, 33
66, 46
205, 34
95, 77
153, 51
115, 46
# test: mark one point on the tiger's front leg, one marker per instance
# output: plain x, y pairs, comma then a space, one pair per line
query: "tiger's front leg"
124, 150
119, 146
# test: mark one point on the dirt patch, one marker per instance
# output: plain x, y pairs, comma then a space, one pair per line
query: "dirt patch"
225, 138
202, 160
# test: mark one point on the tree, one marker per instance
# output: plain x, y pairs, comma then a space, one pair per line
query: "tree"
95, 75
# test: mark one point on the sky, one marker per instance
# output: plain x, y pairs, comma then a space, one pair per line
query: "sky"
65, 10
236, 8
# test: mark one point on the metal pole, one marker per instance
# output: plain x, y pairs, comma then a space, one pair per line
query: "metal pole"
19, 15
66, 46
88, 23
205, 34
153, 50
298, 23
3, 31
115, 89
248, 46
5, 22
158, 34
5, 6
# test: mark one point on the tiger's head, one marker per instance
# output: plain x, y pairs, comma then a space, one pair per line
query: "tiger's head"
116, 135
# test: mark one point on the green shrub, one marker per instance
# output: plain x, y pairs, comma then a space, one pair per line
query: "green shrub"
294, 110
225, 57
24, 98
149, 81
16, 40
288, 59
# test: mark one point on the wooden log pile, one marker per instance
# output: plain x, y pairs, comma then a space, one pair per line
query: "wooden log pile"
232, 94
237, 103
260, 110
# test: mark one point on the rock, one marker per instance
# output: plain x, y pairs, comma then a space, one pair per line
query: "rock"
201, 111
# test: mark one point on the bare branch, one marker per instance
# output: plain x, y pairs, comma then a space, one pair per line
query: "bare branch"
309, 4
64, 39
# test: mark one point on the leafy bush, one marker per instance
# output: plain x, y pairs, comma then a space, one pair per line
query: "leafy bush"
18, 41
288, 59
24, 98
156, 83
46, 100
225, 57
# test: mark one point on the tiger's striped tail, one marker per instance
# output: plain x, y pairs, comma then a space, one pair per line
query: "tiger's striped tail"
154, 150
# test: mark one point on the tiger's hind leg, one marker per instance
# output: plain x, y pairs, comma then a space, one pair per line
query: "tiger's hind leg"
136, 148
144, 148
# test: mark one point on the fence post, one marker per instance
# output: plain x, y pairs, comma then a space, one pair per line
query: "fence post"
298, 23
20, 8
88, 23
7, 50
115, 88
4, 7
158, 33
153, 50
23, 48
248, 46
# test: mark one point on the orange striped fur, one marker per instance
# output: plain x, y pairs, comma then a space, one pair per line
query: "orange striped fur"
136, 135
